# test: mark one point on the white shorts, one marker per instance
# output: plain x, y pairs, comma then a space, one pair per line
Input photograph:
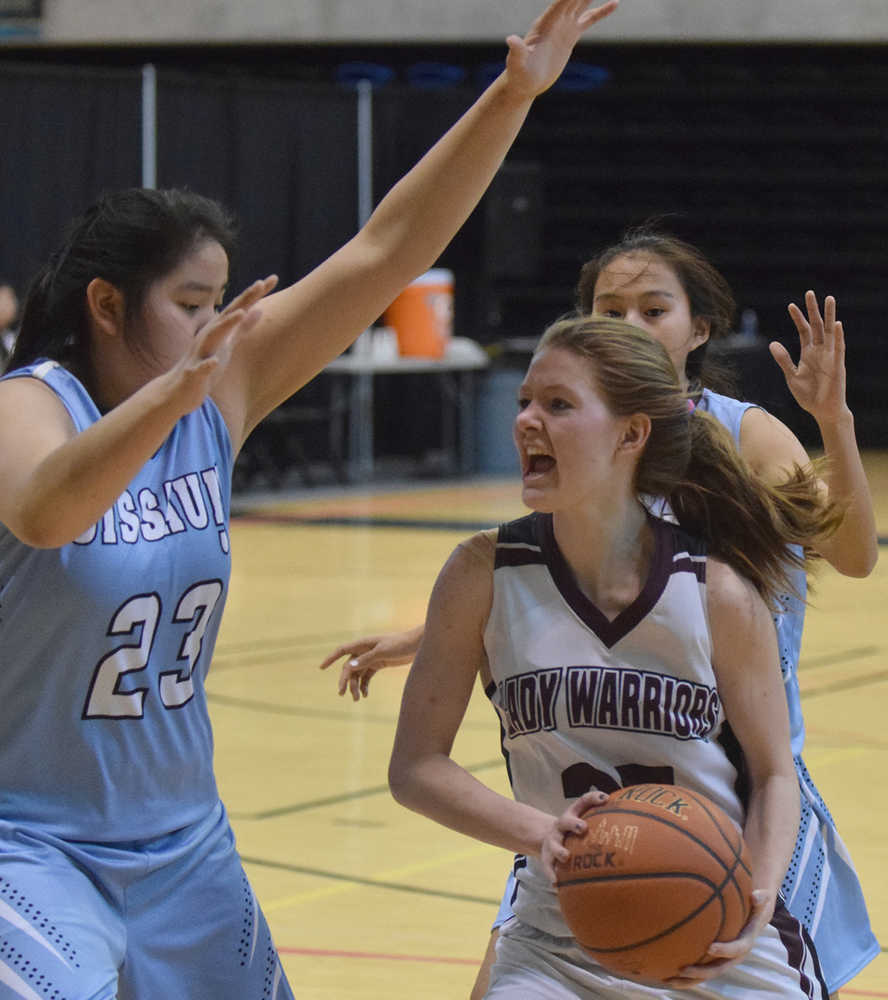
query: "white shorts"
532, 965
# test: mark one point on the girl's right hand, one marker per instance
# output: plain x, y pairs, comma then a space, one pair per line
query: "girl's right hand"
553, 850
368, 655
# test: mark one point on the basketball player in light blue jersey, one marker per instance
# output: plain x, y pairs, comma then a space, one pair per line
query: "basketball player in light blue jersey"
667, 287
128, 395
592, 592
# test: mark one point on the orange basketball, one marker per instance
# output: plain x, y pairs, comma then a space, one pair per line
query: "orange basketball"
659, 875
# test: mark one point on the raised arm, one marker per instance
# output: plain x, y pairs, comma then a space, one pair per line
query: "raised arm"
817, 383
305, 326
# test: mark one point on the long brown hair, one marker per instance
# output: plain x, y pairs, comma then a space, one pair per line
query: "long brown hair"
691, 461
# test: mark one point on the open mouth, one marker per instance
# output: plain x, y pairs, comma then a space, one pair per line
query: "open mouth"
537, 463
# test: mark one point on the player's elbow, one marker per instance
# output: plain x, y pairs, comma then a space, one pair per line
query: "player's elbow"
38, 531
858, 565
404, 779
399, 778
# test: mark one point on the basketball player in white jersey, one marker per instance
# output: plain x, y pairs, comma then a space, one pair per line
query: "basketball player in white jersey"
591, 595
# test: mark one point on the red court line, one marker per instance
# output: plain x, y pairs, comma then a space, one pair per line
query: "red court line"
330, 953
445, 960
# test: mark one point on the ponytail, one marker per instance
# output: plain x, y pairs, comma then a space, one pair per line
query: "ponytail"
691, 460
741, 518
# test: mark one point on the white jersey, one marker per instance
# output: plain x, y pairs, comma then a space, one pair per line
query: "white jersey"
586, 701
583, 701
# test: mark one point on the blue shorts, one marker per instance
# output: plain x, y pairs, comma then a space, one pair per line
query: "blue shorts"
172, 918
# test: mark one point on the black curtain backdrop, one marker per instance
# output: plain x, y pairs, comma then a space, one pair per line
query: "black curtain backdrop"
282, 157
65, 136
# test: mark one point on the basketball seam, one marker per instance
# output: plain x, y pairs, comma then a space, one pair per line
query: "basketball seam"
666, 931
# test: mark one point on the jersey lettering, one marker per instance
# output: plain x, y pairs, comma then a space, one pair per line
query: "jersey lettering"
623, 698
193, 500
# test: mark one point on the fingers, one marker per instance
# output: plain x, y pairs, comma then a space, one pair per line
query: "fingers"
780, 354
839, 335
252, 294
345, 650
818, 329
594, 797
598, 13
569, 822
355, 678
817, 322
801, 323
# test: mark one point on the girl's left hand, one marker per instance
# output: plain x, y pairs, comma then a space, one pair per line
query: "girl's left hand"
817, 382
723, 954
535, 62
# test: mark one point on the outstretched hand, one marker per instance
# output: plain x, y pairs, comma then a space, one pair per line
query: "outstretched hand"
535, 62
817, 382
200, 368
368, 655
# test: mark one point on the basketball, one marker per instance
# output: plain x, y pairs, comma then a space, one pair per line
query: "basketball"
660, 874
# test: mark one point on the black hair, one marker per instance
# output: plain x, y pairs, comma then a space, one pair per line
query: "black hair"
131, 239
708, 292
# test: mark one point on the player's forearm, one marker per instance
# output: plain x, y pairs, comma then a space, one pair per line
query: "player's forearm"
771, 827
853, 549
70, 490
440, 789
420, 215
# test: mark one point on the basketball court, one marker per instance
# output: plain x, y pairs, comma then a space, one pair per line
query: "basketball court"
366, 899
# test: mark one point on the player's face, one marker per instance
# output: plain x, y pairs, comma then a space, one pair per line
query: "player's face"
178, 305
646, 292
567, 438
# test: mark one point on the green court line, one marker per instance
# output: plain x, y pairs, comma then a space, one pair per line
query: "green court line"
357, 880
333, 800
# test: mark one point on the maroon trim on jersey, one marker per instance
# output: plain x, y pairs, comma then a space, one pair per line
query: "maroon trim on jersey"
611, 632
522, 534
800, 952
684, 564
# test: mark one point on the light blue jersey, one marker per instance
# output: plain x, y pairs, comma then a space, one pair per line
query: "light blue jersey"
730, 412
106, 642
821, 888
119, 876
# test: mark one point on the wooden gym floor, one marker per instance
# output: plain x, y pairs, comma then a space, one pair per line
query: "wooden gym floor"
367, 900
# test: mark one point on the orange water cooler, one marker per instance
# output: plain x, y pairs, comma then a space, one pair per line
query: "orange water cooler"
422, 315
